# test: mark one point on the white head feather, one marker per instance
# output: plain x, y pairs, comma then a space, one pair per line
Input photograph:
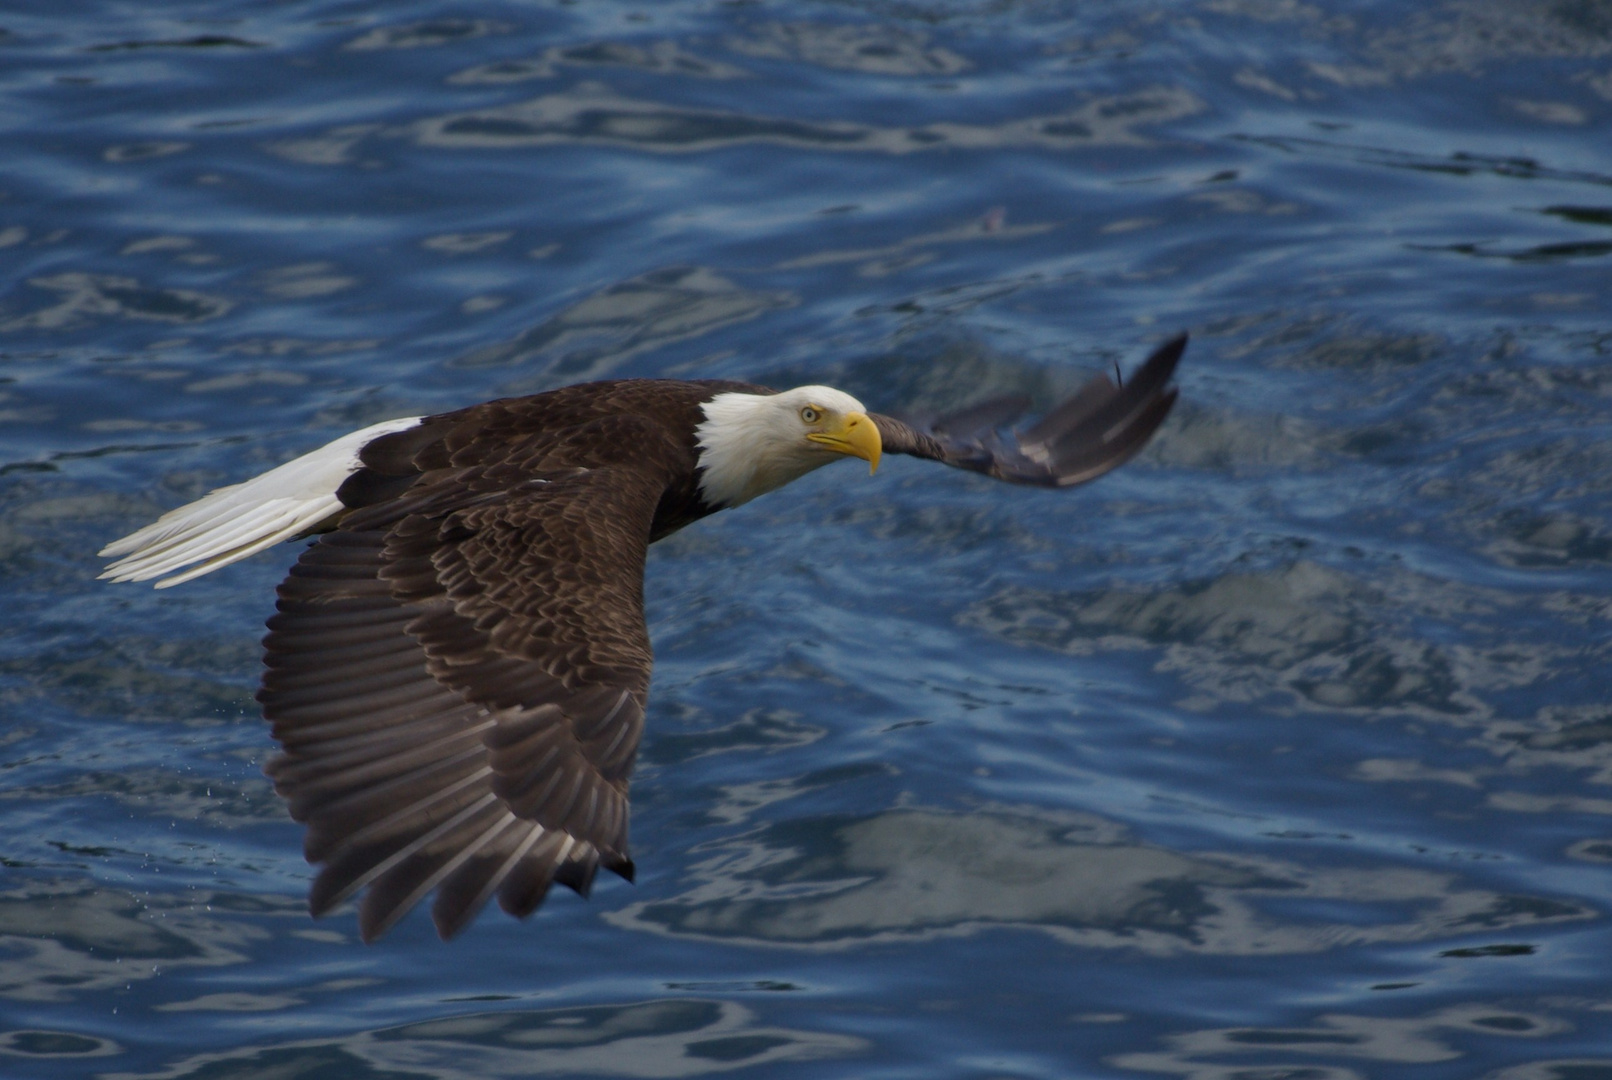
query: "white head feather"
751, 444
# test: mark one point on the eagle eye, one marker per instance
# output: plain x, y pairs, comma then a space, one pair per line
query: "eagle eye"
811, 414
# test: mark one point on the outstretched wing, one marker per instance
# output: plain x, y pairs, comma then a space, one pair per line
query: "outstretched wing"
1100, 427
457, 677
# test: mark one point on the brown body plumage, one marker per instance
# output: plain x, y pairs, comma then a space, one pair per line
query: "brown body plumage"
458, 670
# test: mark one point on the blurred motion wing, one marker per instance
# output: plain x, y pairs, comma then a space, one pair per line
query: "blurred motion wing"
1098, 428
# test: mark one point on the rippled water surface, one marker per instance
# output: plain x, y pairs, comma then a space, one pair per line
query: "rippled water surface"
1285, 751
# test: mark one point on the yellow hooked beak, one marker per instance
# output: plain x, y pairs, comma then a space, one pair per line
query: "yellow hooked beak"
854, 434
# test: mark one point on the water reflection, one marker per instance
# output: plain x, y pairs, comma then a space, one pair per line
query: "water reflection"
659, 58
1428, 1039
83, 298
910, 874
64, 941
594, 335
869, 49
592, 113
676, 1037
1316, 633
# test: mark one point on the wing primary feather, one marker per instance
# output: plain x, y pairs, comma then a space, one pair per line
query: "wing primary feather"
418, 716
344, 681
332, 822
406, 884
1069, 413
351, 838
341, 879
528, 882
608, 755
466, 892
357, 765
307, 796
577, 872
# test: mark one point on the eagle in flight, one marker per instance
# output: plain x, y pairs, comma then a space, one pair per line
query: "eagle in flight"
458, 668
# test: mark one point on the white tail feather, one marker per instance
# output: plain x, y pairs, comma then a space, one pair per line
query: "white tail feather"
228, 524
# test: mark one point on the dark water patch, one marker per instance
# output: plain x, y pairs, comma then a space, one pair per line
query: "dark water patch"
55, 1044
1268, 1037
1299, 834
1596, 850
735, 1048
769, 986
199, 41
1582, 215
1489, 950
91, 852
1458, 163
1539, 253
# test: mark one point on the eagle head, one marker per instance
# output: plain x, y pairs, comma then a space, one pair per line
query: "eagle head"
752, 443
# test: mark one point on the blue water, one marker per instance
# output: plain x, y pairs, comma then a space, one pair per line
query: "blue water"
1285, 751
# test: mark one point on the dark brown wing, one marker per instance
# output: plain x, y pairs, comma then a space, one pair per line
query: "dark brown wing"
1100, 427
458, 677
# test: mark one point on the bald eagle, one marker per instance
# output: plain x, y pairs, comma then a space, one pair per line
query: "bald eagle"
458, 668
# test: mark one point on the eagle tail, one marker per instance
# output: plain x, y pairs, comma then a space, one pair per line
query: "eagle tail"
233, 522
